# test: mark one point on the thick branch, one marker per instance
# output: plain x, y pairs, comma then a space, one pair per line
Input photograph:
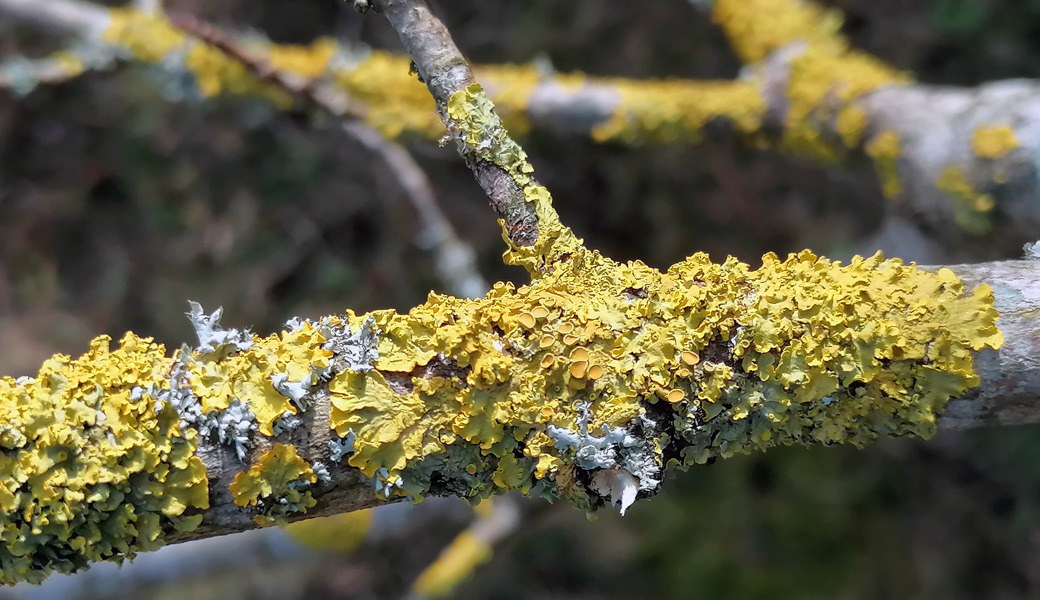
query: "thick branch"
583, 385
1009, 390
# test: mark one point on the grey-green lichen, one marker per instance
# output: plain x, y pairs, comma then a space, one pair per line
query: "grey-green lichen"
481, 136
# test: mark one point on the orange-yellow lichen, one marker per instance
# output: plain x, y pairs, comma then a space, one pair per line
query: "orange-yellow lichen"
993, 142
94, 466
276, 485
884, 150
803, 350
971, 207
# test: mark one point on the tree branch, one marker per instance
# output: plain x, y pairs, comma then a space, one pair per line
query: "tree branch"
583, 385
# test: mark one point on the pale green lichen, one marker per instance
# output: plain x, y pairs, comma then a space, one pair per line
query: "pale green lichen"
276, 485
799, 351
93, 466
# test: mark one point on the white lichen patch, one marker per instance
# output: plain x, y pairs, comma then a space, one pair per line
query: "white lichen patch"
214, 338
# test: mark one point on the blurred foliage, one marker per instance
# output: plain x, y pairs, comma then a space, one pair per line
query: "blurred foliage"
119, 202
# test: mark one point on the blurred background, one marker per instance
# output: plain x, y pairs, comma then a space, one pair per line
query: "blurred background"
117, 206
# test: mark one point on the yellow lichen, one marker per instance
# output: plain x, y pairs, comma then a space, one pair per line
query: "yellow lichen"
338, 533
153, 39
971, 208
803, 350
276, 485
145, 37
465, 553
757, 28
824, 77
305, 61
678, 111
993, 142
94, 467
884, 150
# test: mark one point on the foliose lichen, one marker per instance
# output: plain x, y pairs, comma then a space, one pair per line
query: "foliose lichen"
93, 467
550, 384
276, 485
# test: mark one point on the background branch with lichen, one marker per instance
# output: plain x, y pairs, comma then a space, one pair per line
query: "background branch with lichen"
957, 161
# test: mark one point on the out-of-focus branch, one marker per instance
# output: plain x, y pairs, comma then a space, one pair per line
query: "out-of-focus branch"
22, 75
455, 259
960, 160
496, 520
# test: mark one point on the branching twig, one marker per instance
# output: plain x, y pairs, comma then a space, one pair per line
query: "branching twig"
496, 520
455, 259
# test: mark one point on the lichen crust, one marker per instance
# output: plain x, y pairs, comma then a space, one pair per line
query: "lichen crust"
587, 382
